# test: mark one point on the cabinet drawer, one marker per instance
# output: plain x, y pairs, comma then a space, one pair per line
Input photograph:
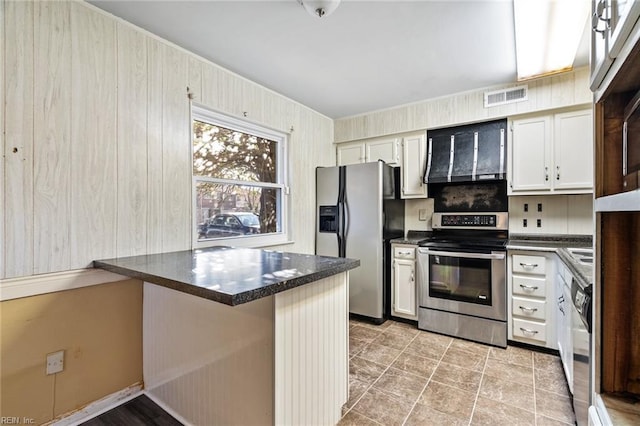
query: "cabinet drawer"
404, 252
529, 330
529, 286
529, 308
529, 264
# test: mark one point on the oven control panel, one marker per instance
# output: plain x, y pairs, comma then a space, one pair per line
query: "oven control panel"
470, 221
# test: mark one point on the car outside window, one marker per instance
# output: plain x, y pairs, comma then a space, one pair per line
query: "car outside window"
239, 181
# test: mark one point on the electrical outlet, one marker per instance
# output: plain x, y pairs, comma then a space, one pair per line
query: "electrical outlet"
539, 223
539, 207
526, 207
524, 223
422, 214
55, 362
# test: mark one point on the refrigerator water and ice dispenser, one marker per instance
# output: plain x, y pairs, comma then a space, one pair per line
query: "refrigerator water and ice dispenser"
328, 219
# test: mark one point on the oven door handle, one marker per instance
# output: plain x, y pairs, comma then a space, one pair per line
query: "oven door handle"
498, 256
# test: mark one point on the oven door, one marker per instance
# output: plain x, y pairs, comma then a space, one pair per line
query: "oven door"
463, 282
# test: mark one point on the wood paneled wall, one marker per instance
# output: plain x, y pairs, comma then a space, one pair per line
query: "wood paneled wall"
97, 159
557, 91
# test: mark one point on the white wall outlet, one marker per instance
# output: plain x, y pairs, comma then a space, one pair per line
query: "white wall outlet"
422, 214
55, 362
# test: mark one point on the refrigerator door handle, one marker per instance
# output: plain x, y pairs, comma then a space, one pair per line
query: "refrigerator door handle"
341, 212
345, 228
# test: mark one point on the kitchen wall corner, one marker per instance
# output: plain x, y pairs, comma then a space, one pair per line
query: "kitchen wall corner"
412, 209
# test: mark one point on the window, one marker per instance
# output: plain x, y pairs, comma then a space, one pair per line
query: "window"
239, 181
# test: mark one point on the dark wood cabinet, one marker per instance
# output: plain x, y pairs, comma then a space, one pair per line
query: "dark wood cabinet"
617, 240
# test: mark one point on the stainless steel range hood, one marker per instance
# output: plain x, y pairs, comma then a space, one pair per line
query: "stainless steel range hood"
467, 153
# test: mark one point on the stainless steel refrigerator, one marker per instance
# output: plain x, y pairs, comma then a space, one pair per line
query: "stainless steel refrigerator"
359, 210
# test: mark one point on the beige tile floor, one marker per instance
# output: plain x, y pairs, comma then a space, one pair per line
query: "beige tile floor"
399, 375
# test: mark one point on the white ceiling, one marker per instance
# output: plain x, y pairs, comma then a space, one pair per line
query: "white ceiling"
367, 55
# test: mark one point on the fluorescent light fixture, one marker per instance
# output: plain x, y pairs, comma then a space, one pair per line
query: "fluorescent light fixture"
548, 33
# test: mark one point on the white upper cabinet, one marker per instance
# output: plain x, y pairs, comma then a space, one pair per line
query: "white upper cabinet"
552, 154
573, 150
383, 149
350, 154
414, 152
530, 150
386, 149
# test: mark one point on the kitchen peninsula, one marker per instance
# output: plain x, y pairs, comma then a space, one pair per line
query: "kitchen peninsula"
244, 336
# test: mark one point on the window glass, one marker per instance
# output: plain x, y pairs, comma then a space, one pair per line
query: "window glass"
238, 180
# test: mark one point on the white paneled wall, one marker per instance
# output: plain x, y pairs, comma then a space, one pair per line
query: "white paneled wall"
209, 362
278, 360
2, 146
132, 183
93, 142
311, 335
558, 91
97, 138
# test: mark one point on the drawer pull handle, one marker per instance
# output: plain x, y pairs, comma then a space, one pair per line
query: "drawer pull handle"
529, 265
528, 310
529, 287
527, 331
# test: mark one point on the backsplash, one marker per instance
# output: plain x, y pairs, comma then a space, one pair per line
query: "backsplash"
551, 214
412, 209
560, 214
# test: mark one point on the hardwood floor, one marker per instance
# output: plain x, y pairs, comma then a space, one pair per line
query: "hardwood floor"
140, 411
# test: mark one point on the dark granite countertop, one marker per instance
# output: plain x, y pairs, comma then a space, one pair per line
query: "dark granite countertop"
228, 275
548, 242
558, 244
412, 237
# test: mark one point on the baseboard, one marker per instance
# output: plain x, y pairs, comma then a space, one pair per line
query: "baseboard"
98, 407
168, 409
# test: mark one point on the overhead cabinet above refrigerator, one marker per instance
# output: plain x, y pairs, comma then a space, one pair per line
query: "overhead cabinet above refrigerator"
467, 153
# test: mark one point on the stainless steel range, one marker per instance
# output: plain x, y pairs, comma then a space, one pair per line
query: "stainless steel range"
462, 267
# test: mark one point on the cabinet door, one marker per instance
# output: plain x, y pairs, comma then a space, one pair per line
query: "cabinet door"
404, 288
414, 152
573, 151
531, 154
350, 154
385, 150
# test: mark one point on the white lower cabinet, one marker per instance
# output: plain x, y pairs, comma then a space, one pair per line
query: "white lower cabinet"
531, 295
563, 320
404, 301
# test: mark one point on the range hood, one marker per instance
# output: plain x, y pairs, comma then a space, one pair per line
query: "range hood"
467, 153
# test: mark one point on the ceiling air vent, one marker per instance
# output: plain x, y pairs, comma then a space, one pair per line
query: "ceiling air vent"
505, 96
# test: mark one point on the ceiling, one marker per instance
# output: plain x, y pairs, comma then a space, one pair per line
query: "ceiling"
367, 55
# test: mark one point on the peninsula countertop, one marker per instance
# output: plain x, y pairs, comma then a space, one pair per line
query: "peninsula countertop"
228, 275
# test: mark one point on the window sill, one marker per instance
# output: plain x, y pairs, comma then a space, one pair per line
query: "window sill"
249, 242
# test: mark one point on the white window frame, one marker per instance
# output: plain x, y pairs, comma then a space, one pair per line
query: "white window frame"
207, 115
